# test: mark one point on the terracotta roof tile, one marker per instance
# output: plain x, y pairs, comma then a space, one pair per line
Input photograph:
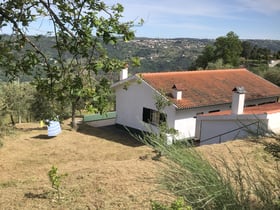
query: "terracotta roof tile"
210, 87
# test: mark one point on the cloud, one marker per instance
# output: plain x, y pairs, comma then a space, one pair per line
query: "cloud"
267, 7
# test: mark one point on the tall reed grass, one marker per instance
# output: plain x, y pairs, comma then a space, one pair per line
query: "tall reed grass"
225, 185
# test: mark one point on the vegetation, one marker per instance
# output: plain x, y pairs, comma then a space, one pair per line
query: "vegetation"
178, 204
230, 52
80, 64
226, 50
273, 75
55, 180
224, 184
173, 54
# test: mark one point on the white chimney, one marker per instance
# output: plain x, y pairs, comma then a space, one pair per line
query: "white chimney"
124, 72
176, 93
238, 100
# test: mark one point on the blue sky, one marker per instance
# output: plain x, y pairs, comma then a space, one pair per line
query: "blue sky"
249, 19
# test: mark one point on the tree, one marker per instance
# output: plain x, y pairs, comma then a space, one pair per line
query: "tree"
16, 100
228, 48
206, 57
226, 51
80, 29
273, 75
246, 50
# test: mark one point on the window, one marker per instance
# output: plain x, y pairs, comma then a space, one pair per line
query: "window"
153, 117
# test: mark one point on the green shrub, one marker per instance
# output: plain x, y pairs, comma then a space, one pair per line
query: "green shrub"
178, 204
55, 180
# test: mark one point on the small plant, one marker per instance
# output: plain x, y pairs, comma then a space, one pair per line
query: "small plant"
55, 180
178, 204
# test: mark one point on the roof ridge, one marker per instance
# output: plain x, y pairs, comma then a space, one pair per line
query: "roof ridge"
190, 71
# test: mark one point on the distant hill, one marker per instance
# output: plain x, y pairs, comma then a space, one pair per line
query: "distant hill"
172, 54
159, 54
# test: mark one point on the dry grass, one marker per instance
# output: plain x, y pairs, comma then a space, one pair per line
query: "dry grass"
103, 166
107, 168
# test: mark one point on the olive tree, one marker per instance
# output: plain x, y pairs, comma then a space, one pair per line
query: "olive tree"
80, 29
16, 100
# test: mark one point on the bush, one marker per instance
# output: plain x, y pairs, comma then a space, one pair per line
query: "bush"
234, 185
178, 204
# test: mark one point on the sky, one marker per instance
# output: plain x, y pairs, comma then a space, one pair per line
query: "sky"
249, 19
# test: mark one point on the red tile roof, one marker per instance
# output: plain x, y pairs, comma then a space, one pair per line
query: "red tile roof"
210, 87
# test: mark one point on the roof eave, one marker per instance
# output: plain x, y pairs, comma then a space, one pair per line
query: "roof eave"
251, 99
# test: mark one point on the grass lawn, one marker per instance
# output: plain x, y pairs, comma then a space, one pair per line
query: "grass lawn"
106, 168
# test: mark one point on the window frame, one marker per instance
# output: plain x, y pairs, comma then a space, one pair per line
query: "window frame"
153, 117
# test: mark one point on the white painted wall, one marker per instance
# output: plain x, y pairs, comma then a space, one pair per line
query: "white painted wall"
130, 103
185, 120
224, 128
274, 122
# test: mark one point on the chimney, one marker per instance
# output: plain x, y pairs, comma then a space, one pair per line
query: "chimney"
238, 100
124, 72
176, 93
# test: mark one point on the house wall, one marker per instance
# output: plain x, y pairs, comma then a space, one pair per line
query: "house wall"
217, 129
185, 119
130, 103
274, 122
131, 100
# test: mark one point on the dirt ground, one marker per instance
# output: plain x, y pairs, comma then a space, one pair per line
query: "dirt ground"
106, 168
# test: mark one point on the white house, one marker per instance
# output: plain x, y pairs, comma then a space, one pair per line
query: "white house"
239, 122
191, 93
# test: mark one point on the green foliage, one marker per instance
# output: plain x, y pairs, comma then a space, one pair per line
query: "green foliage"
227, 48
55, 180
80, 31
178, 204
219, 64
229, 52
16, 100
206, 57
273, 75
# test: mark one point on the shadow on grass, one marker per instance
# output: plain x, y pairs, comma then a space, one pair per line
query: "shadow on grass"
32, 129
31, 195
43, 136
111, 133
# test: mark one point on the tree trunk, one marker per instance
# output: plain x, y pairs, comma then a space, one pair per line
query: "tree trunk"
19, 119
12, 119
73, 116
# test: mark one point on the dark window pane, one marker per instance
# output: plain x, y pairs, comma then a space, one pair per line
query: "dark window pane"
146, 115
